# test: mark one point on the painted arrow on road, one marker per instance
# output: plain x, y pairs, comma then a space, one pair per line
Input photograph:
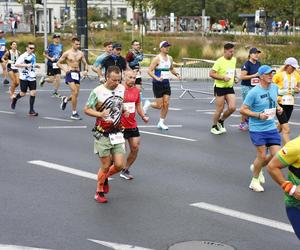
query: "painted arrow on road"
13, 247
117, 246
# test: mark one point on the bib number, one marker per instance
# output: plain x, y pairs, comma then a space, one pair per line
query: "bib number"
13, 66
271, 113
54, 66
165, 75
287, 100
230, 73
116, 138
129, 107
2, 48
254, 81
75, 76
32, 74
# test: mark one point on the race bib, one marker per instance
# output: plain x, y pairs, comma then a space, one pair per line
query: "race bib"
54, 66
287, 100
129, 107
230, 73
75, 76
2, 48
13, 66
32, 74
271, 113
116, 138
138, 74
254, 81
165, 74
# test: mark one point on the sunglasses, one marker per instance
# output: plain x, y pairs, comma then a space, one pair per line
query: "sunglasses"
31, 48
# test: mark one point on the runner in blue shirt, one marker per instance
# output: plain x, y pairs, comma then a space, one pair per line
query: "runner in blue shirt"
2, 52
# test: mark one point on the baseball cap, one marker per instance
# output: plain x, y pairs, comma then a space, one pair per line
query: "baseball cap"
117, 46
164, 44
254, 51
56, 36
265, 69
291, 61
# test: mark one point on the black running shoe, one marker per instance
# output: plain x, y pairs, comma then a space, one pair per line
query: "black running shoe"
64, 102
5, 82
33, 113
13, 103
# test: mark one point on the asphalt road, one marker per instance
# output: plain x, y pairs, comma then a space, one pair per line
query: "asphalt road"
47, 208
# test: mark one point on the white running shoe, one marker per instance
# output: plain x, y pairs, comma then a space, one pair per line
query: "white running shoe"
261, 177
221, 128
256, 186
146, 106
162, 126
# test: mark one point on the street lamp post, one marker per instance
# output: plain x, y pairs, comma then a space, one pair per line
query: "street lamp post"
111, 15
45, 29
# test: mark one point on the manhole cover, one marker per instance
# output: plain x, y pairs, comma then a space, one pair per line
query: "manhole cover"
200, 245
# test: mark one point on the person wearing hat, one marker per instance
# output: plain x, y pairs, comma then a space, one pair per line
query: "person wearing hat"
249, 77
260, 105
159, 70
287, 80
2, 52
115, 59
53, 53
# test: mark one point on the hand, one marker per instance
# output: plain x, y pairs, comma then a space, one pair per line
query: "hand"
85, 73
145, 118
297, 90
296, 195
179, 77
28, 65
279, 110
37, 66
126, 114
104, 113
52, 59
263, 116
227, 79
236, 80
160, 79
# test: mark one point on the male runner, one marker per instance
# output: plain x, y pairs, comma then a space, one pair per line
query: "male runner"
105, 104
2, 51
26, 64
53, 53
73, 57
131, 133
223, 72
159, 70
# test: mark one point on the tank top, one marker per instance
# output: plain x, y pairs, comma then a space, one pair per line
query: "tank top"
12, 57
163, 68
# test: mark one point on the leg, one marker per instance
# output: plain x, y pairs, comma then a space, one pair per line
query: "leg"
230, 99
56, 82
134, 144
293, 214
74, 94
285, 131
261, 160
219, 109
165, 106
14, 83
105, 163
4, 73
157, 104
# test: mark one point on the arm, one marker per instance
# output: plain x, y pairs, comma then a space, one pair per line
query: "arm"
5, 57
152, 67
59, 62
245, 110
48, 57
20, 63
173, 71
92, 112
214, 75
244, 75
141, 113
85, 65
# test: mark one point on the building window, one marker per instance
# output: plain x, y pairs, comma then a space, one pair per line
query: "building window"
122, 13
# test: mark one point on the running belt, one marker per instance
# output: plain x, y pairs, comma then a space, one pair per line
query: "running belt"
295, 171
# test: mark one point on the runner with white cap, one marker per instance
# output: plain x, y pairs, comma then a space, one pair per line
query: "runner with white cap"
287, 80
159, 70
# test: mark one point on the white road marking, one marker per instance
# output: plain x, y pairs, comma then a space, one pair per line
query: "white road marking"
169, 136
7, 112
14, 247
175, 109
155, 126
234, 125
294, 123
232, 115
58, 127
244, 216
117, 246
205, 110
57, 119
65, 169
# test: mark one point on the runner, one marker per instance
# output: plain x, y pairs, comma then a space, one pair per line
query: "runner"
115, 59
26, 63
10, 58
131, 132
73, 57
53, 53
260, 106
224, 74
288, 80
134, 57
249, 79
96, 67
288, 156
2, 52
105, 103
159, 70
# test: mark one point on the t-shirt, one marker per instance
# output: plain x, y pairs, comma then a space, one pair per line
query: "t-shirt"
108, 99
2, 46
112, 60
251, 68
131, 100
289, 155
261, 100
225, 67
286, 83
134, 58
27, 73
54, 51
99, 61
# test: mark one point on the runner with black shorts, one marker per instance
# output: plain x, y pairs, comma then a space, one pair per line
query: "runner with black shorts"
26, 64
159, 70
2, 51
10, 57
131, 105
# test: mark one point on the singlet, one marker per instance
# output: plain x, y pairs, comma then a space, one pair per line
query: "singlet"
131, 99
163, 68
13, 57
2, 46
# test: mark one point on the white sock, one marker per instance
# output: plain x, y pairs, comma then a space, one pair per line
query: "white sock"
74, 112
161, 120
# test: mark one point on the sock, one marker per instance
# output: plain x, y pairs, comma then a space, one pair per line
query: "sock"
161, 120
112, 170
18, 96
101, 179
221, 121
74, 112
31, 102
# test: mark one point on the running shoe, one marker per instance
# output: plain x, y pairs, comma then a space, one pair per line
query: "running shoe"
221, 127
125, 174
99, 196
106, 186
42, 81
33, 113
55, 94
162, 126
75, 117
215, 130
13, 103
261, 177
64, 101
255, 185
5, 82
146, 106
243, 126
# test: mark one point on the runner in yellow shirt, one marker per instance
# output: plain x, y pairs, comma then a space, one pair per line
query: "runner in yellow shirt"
288, 80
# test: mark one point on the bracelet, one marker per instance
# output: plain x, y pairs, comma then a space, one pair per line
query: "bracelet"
293, 190
287, 186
